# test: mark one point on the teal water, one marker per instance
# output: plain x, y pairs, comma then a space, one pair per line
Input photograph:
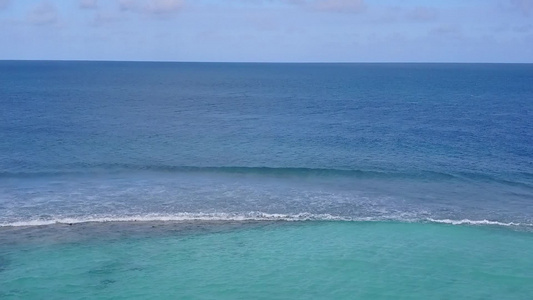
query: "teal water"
278, 260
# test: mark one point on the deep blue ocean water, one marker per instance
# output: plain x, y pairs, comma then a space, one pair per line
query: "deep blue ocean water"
426, 158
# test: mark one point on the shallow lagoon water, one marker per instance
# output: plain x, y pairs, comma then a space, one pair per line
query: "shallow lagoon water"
268, 260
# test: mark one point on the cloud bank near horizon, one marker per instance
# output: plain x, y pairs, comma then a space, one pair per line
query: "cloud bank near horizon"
269, 30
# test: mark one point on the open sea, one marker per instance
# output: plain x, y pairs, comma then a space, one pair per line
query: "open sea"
140, 180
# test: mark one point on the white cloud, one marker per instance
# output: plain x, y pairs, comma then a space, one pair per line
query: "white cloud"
165, 6
128, 5
43, 13
159, 7
88, 4
343, 6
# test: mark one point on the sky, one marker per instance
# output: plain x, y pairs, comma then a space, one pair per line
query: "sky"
268, 30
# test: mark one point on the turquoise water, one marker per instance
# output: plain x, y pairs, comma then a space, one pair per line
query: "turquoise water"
276, 181
279, 260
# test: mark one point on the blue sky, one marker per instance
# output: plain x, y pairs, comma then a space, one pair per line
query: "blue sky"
268, 30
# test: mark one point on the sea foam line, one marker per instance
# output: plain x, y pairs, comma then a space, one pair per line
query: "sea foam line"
242, 217
183, 217
475, 222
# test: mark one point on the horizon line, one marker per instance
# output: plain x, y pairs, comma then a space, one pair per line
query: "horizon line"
263, 62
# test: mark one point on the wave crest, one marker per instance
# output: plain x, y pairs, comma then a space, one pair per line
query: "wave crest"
89, 168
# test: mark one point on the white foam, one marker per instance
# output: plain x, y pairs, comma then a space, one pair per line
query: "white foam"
251, 216
475, 222
241, 217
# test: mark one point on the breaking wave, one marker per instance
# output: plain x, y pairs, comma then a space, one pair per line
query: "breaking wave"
250, 216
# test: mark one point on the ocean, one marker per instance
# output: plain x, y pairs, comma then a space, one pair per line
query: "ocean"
139, 180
